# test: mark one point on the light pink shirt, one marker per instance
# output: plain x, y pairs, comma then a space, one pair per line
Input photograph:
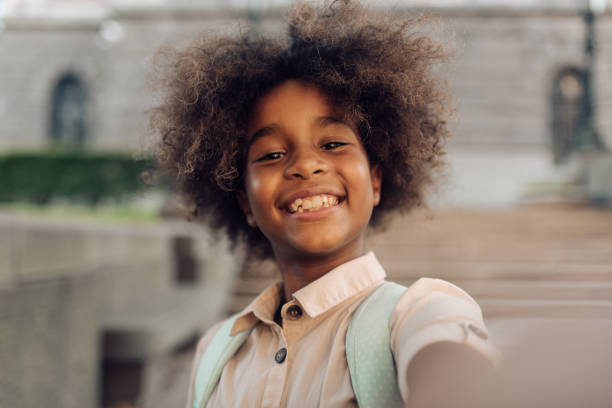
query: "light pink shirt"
315, 372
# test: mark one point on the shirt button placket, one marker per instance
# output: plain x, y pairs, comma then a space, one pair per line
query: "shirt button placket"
276, 383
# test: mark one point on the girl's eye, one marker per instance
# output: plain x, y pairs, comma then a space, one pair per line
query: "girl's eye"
270, 156
332, 145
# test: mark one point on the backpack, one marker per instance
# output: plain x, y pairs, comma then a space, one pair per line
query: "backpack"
368, 352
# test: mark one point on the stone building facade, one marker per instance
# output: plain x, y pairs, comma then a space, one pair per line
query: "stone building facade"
503, 77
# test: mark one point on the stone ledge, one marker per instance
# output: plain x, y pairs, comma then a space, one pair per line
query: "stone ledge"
41, 249
148, 330
560, 309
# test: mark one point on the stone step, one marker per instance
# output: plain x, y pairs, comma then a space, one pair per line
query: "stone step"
560, 309
493, 250
526, 289
425, 234
458, 271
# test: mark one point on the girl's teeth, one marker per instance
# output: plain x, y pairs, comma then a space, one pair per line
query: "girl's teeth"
312, 203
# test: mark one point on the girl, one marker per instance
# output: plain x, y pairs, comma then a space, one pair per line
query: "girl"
295, 145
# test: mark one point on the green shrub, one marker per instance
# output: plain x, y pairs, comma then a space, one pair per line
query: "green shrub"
76, 176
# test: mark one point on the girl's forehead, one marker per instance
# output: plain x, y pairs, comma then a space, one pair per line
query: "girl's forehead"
291, 101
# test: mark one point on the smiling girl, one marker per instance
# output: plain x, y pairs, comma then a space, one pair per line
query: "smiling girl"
295, 145
308, 185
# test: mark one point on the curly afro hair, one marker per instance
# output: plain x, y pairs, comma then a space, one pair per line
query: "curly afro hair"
375, 69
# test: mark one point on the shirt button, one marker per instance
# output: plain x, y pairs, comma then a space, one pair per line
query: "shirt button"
294, 312
280, 355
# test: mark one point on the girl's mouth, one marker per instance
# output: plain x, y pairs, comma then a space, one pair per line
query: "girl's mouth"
313, 203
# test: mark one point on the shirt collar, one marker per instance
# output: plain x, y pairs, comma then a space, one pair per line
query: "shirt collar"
262, 308
331, 289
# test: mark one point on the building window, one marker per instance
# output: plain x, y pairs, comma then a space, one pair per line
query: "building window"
567, 111
68, 112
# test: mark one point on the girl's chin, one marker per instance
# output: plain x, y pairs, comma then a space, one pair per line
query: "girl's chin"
325, 245
314, 248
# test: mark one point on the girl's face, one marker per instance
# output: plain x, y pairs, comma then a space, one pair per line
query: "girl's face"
309, 186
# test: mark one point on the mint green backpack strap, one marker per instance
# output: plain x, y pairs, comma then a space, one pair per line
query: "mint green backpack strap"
368, 349
221, 348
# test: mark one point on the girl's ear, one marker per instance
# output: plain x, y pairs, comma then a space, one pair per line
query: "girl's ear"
376, 177
243, 202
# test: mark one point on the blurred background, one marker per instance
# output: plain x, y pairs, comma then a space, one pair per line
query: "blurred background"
104, 287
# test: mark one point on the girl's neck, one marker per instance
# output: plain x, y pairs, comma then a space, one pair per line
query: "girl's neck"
299, 271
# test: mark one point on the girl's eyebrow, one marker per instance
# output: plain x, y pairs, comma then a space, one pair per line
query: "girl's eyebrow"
322, 121
264, 131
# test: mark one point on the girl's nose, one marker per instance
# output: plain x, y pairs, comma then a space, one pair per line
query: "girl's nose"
305, 165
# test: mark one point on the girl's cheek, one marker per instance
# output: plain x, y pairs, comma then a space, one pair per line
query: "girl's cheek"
256, 185
253, 182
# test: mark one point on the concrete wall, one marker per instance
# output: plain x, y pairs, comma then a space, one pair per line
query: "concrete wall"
60, 282
49, 344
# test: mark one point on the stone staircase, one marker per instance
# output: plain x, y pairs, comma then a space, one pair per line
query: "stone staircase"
539, 261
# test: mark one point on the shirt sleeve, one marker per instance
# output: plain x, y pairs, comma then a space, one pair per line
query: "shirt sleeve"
202, 345
431, 311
